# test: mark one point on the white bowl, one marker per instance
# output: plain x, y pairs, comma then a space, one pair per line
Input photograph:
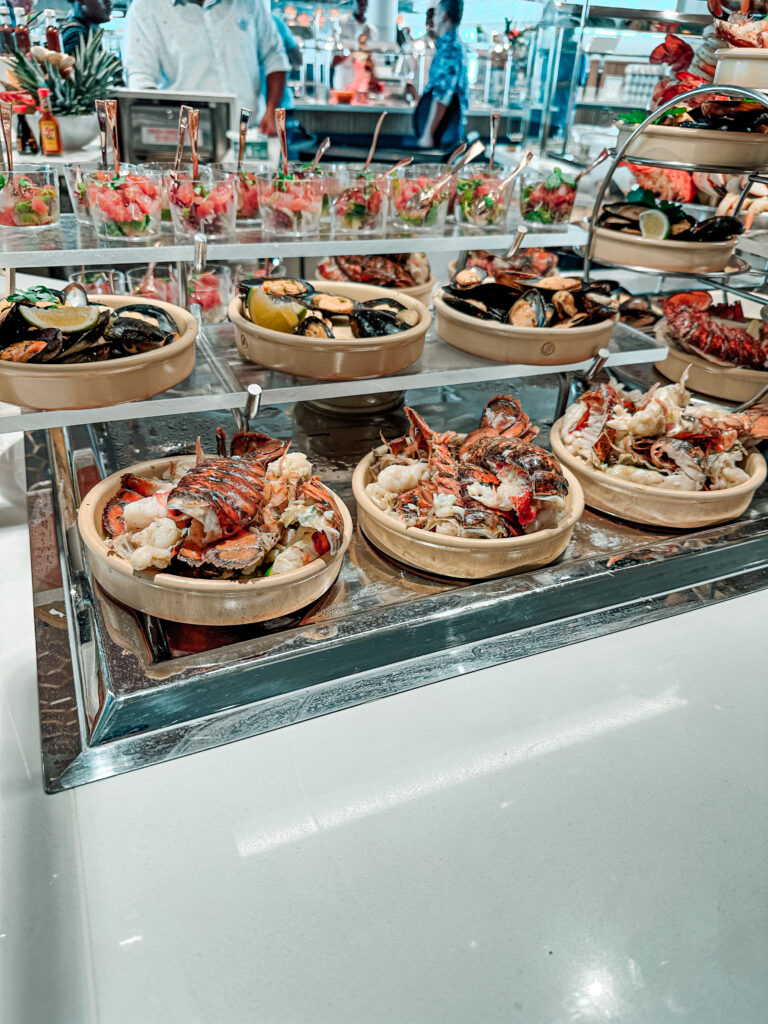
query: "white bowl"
745, 151
742, 66
662, 253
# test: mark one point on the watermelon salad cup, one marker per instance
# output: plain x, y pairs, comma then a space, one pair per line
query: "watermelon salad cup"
247, 189
74, 175
474, 204
206, 205
162, 167
362, 205
163, 285
411, 181
29, 199
547, 200
291, 205
211, 290
125, 207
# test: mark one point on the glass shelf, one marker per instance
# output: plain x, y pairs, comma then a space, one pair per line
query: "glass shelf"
72, 244
221, 377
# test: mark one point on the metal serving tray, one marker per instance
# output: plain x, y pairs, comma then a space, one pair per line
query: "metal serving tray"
119, 691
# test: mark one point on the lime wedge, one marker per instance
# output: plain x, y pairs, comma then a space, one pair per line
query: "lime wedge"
68, 319
654, 224
274, 314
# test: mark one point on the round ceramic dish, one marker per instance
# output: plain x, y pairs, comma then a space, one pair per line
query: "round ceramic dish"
109, 382
334, 358
463, 557
534, 346
742, 66
203, 602
747, 151
662, 254
655, 506
731, 384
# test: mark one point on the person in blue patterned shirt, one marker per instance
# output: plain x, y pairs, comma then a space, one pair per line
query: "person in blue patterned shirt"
448, 85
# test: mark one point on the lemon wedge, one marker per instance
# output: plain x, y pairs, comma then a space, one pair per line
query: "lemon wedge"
68, 319
275, 315
654, 224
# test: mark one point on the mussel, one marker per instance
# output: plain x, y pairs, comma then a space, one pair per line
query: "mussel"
315, 327
331, 305
286, 287
13, 326
132, 335
40, 348
565, 304
373, 323
470, 307
494, 298
387, 304
716, 229
530, 310
150, 314
469, 277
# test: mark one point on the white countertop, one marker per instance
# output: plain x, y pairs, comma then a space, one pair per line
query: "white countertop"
577, 837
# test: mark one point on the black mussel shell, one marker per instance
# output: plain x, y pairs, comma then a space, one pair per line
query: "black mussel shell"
151, 314
73, 343
469, 277
604, 287
558, 283
331, 305
530, 310
387, 304
131, 335
373, 323
627, 211
94, 353
716, 229
470, 307
285, 287
52, 337
13, 326
497, 298
314, 327
613, 223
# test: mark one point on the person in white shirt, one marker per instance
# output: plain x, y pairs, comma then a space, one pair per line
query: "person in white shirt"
207, 46
354, 25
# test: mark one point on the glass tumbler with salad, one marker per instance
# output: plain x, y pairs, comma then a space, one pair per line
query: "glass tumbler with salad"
154, 282
478, 203
547, 199
100, 282
125, 207
74, 175
408, 211
206, 204
211, 290
29, 199
291, 205
362, 204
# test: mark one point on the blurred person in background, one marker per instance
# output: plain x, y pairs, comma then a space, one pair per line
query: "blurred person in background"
353, 25
295, 59
220, 46
441, 114
87, 16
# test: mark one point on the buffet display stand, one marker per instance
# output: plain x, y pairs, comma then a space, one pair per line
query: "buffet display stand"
119, 690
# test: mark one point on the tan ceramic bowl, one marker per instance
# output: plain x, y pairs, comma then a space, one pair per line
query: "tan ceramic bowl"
654, 506
329, 358
731, 384
742, 66
203, 602
747, 151
662, 254
463, 557
537, 346
94, 385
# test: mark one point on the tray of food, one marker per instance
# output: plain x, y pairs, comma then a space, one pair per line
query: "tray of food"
329, 331
407, 272
118, 348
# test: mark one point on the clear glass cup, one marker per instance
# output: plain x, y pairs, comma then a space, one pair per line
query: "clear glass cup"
362, 204
211, 290
125, 208
547, 199
206, 205
477, 202
291, 207
101, 282
162, 167
248, 274
30, 199
336, 176
247, 188
408, 183
74, 175
161, 283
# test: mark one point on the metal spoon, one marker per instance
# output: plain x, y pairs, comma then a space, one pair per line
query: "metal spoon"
183, 122
421, 201
111, 108
602, 155
101, 114
194, 124
374, 141
280, 123
517, 241
6, 120
495, 119
456, 154
479, 208
245, 117
319, 154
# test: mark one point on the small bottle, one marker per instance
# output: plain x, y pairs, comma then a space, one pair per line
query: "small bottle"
7, 35
50, 136
22, 30
25, 140
52, 37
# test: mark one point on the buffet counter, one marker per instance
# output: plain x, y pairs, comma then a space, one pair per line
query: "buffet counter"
326, 117
575, 836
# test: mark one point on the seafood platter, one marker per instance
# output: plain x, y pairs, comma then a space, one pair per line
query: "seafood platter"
723, 350
329, 331
222, 590
659, 459
543, 321
408, 272
744, 58
60, 350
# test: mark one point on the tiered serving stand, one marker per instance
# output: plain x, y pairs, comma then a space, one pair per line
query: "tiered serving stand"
119, 690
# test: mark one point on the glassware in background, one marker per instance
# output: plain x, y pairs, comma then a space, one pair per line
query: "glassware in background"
211, 290
29, 198
547, 199
158, 282
162, 167
477, 202
101, 282
361, 206
407, 184
248, 274
247, 188
74, 175
125, 207
206, 205
291, 207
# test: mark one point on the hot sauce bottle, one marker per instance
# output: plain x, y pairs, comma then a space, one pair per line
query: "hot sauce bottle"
22, 31
50, 136
7, 35
52, 37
